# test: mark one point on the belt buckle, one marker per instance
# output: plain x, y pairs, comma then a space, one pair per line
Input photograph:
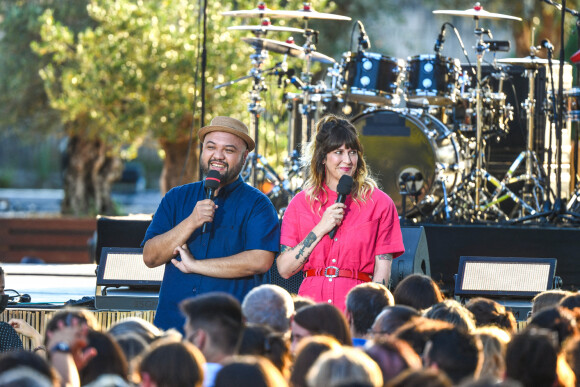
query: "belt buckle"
331, 275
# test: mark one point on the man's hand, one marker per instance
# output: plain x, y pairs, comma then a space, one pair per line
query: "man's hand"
186, 265
203, 212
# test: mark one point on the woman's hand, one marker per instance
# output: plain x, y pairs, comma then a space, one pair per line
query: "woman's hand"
331, 218
26, 330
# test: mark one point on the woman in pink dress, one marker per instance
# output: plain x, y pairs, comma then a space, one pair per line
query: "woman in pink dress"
368, 234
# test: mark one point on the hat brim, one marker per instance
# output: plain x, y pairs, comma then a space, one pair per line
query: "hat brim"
218, 128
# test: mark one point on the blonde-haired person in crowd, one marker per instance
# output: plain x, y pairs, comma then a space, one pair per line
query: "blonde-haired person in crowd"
368, 235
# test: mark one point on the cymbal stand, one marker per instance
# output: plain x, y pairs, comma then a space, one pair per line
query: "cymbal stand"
533, 191
307, 107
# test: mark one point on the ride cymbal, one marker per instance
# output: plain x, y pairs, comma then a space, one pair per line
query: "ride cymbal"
306, 13
287, 48
476, 12
527, 62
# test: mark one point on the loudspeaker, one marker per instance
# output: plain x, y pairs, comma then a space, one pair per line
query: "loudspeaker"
120, 231
414, 260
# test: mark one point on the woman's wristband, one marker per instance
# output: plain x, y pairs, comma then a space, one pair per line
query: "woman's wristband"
39, 348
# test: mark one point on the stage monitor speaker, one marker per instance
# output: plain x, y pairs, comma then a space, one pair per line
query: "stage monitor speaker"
124, 282
504, 277
414, 260
120, 231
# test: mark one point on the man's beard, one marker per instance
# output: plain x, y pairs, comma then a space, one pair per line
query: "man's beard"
230, 175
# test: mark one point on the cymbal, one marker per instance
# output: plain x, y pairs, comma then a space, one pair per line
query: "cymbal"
286, 48
527, 62
306, 13
476, 12
267, 28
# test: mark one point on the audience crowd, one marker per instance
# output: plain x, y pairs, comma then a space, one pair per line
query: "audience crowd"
411, 337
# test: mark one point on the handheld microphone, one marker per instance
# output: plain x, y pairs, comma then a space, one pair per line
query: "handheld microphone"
212, 182
547, 45
363, 39
343, 188
440, 40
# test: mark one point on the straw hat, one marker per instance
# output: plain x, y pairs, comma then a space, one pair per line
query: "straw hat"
229, 125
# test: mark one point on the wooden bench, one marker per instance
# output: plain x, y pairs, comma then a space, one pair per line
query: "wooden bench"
54, 240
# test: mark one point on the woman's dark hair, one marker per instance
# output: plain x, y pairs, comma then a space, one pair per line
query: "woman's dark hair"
258, 339
110, 359
310, 349
331, 133
489, 312
176, 364
320, 319
417, 291
22, 358
249, 371
558, 320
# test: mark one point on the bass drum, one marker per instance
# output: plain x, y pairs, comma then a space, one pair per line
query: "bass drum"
413, 151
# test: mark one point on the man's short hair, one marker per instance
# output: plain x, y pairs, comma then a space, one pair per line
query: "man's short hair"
365, 302
453, 312
217, 313
458, 353
270, 305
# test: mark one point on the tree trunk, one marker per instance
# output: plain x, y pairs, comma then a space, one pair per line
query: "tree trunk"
174, 173
89, 174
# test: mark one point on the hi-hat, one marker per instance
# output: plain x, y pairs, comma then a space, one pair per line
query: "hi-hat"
267, 28
306, 13
286, 48
476, 12
527, 62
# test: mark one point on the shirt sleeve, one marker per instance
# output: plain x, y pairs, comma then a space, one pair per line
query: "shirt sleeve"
163, 219
290, 234
389, 238
263, 232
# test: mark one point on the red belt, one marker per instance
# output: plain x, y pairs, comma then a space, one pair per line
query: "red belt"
333, 272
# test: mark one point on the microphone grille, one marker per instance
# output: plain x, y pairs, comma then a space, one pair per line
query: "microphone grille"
213, 179
344, 185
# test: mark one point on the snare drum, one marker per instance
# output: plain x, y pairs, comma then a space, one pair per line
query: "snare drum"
372, 78
432, 79
496, 114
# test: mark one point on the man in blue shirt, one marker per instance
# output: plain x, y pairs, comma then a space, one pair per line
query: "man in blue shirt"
242, 235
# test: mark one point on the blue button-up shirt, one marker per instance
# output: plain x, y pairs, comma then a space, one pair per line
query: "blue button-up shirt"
245, 219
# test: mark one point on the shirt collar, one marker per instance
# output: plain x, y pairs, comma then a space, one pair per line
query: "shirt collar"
226, 190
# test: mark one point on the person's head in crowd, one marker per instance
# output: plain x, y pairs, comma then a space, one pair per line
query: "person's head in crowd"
392, 355
172, 364
489, 312
571, 301
320, 319
71, 314
418, 331
417, 291
32, 361
23, 376
531, 357
249, 371
270, 305
456, 352
453, 312
571, 352
556, 319
364, 302
547, 299
213, 324
132, 345
300, 301
347, 364
109, 359
307, 352
392, 318
262, 340
426, 377
136, 325
494, 341
490, 382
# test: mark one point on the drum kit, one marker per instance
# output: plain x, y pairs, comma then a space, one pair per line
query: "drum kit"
424, 122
